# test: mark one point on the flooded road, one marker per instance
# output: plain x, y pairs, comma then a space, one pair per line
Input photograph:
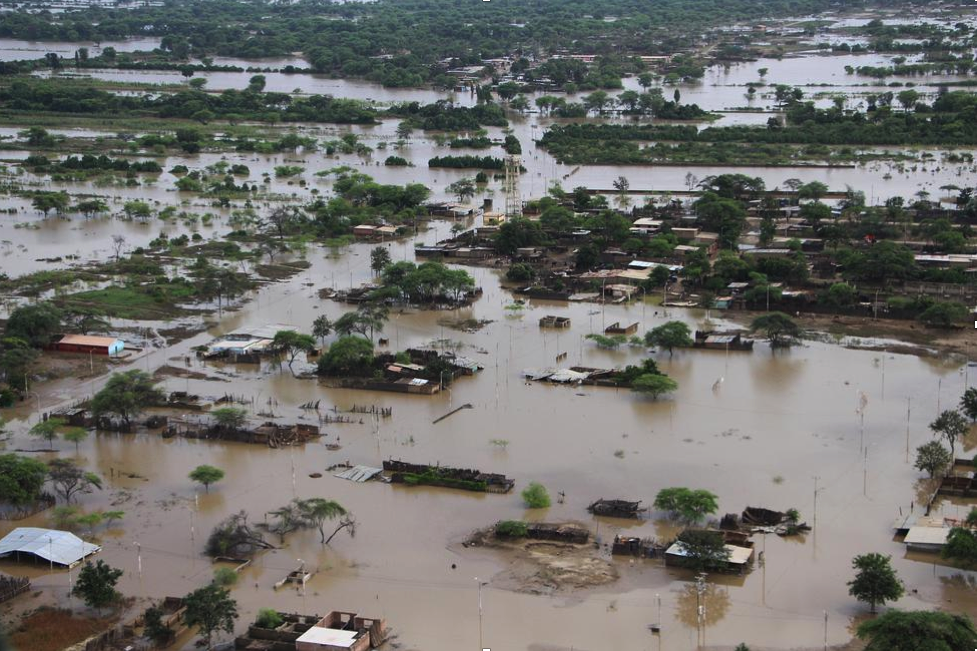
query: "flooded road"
776, 422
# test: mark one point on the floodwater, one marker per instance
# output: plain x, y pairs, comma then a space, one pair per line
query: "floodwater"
775, 423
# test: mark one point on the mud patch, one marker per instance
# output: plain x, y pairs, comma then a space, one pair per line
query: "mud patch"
545, 567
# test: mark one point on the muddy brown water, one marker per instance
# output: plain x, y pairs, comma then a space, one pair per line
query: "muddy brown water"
774, 423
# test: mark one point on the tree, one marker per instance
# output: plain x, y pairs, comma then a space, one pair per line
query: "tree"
154, 628
687, 504
932, 457
464, 189
35, 324
875, 581
961, 545
96, 584
674, 334
841, 295
813, 191
68, 479
137, 209
918, 631
211, 609
90, 520
292, 343
321, 328
75, 435
126, 395
47, 430
91, 207
379, 259
233, 536
225, 576
908, 99
653, 385
230, 419
950, 425
206, 475
704, 549
21, 479
968, 403
347, 356
536, 496
779, 328
316, 511
944, 315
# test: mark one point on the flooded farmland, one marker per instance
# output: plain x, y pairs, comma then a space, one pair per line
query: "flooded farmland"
828, 427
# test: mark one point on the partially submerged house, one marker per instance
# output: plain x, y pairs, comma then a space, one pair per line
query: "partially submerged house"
926, 539
714, 340
51, 546
739, 559
246, 343
343, 631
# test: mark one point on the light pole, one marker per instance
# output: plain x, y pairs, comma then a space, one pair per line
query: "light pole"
480, 584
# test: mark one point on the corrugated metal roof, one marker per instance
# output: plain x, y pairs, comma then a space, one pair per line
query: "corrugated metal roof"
359, 473
62, 547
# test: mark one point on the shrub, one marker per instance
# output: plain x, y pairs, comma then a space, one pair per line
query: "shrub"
511, 529
268, 618
535, 496
225, 576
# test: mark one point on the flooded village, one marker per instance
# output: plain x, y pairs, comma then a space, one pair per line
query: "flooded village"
651, 331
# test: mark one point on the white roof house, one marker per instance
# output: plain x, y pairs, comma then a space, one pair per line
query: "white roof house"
51, 545
926, 538
320, 636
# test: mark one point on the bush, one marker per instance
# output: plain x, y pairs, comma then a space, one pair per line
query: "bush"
511, 529
535, 496
268, 618
225, 576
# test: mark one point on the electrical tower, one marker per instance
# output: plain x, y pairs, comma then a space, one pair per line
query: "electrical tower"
513, 204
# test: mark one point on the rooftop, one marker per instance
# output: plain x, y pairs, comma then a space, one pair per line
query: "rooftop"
62, 547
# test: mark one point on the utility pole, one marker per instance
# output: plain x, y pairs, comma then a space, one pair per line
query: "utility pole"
816, 491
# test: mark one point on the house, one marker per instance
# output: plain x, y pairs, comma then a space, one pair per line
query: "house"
738, 560
343, 631
386, 231
685, 234
49, 545
494, 218
364, 230
90, 344
926, 539
646, 226
617, 329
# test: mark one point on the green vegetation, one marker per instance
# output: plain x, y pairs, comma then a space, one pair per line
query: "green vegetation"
915, 630
950, 425
21, 479
348, 356
211, 609
671, 335
961, 546
433, 477
779, 329
511, 529
96, 584
225, 577
68, 479
933, 458
126, 395
479, 162
875, 581
705, 549
268, 618
687, 504
206, 475
536, 496
653, 385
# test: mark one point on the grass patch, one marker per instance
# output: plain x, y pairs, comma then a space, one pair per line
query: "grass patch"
123, 303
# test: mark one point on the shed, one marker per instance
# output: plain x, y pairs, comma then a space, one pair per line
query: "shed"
50, 545
926, 539
90, 344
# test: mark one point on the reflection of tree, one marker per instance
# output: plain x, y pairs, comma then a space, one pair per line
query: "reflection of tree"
957, 583
924, 487
716, 600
